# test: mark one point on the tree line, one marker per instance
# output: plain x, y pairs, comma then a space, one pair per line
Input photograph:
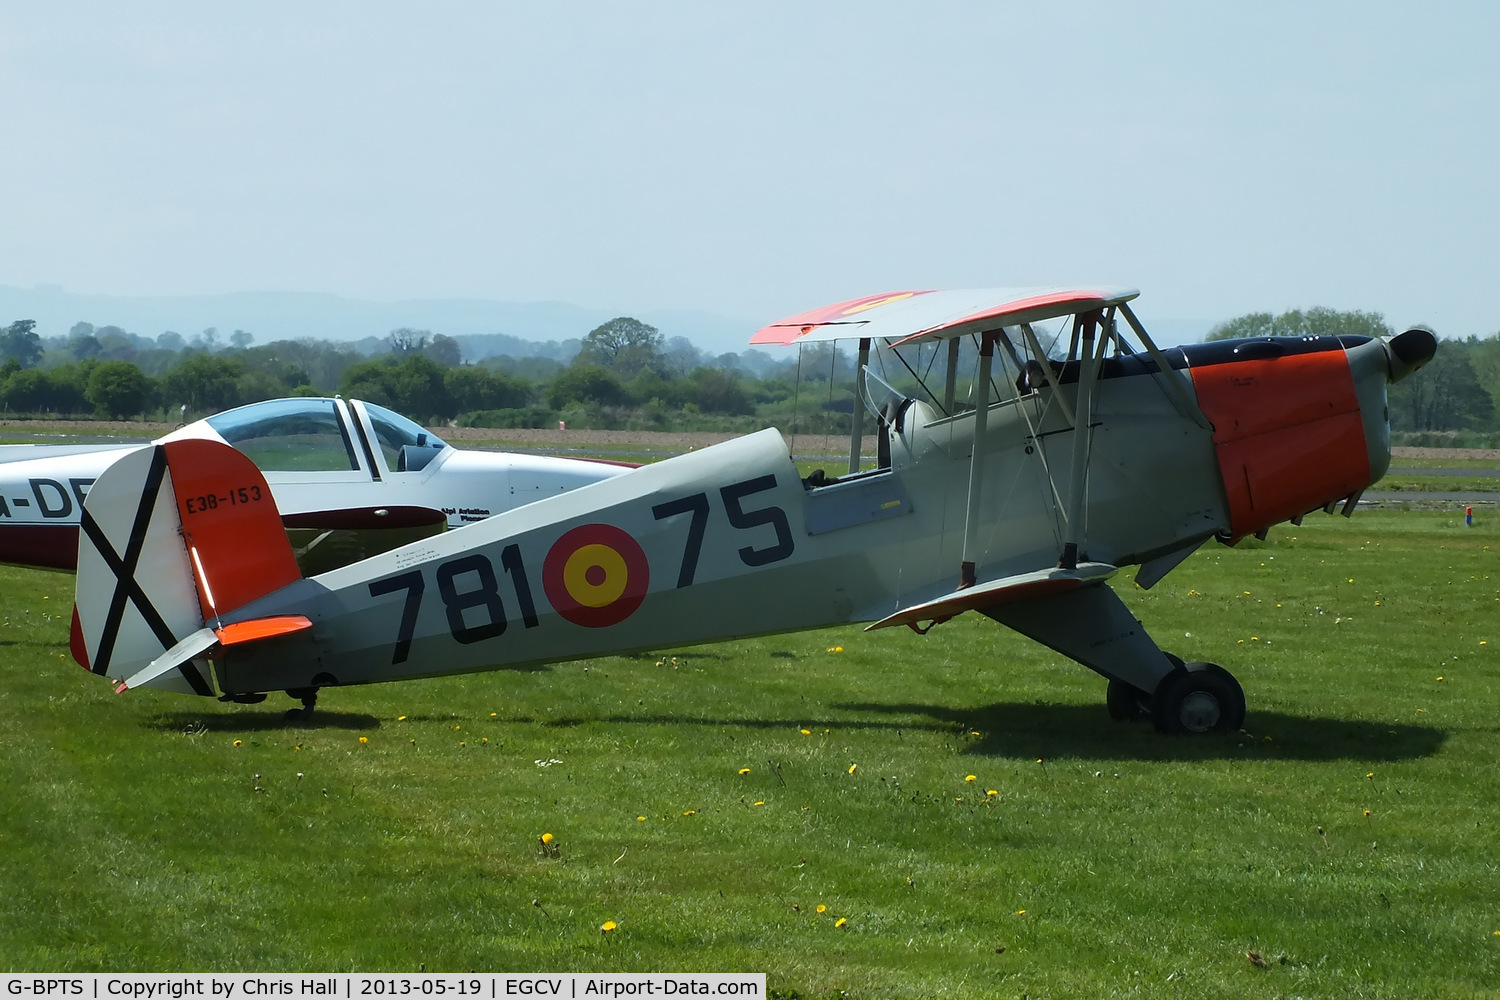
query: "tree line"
621, 374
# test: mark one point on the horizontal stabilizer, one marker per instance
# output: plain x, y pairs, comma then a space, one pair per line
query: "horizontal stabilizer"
240, 633
1040, 583
193, 646
205, 640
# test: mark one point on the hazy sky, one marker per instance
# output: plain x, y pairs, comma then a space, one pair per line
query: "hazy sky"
755, 160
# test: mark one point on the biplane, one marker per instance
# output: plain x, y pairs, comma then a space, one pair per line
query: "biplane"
350, 479
1071, 454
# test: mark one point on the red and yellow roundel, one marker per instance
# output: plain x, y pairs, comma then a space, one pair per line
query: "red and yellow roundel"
595, 575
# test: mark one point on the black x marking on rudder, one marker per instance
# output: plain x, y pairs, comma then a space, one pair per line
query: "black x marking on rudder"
126, 586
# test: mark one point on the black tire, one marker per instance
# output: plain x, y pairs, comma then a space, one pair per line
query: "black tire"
1126, 702
1198, 698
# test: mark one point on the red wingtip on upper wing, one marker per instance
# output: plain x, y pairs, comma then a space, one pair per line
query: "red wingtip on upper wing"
791, 329
230, 524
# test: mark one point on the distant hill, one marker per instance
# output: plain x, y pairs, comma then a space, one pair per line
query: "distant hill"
289, 315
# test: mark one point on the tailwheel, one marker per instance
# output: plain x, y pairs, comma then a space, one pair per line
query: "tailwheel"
1198, 698
1126, 702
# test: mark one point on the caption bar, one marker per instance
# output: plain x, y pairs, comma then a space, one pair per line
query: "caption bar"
487, 986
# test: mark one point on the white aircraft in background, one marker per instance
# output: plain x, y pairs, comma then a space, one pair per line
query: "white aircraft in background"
350, 479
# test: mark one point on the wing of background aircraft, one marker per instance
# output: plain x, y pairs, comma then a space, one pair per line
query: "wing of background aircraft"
351, 479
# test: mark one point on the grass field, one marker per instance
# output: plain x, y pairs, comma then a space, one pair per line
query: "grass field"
714, 805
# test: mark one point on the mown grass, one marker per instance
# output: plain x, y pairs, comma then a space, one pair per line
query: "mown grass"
160, 832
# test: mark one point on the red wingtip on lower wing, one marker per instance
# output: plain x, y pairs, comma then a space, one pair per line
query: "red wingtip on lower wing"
76, 645
231, 525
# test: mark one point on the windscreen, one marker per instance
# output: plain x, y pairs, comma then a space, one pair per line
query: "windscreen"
394, 432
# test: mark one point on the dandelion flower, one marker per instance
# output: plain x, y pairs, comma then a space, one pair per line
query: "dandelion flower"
494, 715
690, 812
993, 793
744, 770
400, 718
239, 743
806, 732
853, 768
457, 728
484, 741
975, 732
640, 819
970, 777
547, 838
364, 739
462, 743
1367, 814
1370, 775
840, 922
607, 926
759, 802
1439, 678
1020, 913
822, 908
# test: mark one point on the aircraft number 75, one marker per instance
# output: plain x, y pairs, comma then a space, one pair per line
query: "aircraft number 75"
487, 593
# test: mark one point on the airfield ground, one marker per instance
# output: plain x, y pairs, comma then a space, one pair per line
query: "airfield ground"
817, 806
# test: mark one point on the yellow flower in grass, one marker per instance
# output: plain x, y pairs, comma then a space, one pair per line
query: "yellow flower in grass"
759, 803
853, 768
822, 908
607, 926
744, 770
547, 838
690, 812
806, 732
840, 922
239, 743
364, 739
993, 793
970, 777
640, 819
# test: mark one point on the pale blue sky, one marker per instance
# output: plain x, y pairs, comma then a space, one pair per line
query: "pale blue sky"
757, 160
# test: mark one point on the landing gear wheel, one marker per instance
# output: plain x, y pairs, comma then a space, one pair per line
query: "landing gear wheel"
1126, 702
1198, 698
308, 697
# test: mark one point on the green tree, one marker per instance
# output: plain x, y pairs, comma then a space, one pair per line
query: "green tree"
585, 384
480, 389
413, 385
1316, 322
118, 389
20, 341
1445, 395
623, 345
206, 383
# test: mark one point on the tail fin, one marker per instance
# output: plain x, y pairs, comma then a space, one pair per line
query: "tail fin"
173, 536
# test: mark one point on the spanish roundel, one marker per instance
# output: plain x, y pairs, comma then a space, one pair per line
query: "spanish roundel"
595, 575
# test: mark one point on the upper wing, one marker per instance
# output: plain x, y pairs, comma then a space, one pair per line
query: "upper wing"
938, 314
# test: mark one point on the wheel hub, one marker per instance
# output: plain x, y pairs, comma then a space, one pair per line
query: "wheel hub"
1199, 712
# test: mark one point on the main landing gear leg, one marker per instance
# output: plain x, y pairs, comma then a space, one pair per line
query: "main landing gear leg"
308, 697
1093, 626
